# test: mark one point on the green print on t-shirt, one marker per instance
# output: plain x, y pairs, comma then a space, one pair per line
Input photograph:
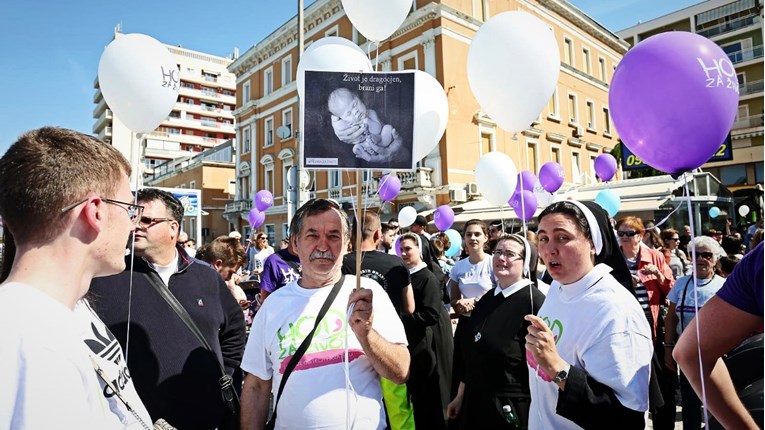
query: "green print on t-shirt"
556, 327
329, 334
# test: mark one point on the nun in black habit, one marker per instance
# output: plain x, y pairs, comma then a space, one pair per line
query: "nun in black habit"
429, 333
494, 390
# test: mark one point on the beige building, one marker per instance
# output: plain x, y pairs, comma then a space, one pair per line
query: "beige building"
212, 172
201, 118
573, 129
735, 25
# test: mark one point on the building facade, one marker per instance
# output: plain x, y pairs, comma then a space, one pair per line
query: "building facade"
735, 25
201, 118
573, 129
212, 172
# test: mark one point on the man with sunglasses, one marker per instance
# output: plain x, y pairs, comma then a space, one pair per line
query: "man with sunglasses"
65, 201
177, 377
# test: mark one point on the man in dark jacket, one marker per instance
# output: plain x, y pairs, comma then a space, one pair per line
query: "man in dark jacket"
174, 374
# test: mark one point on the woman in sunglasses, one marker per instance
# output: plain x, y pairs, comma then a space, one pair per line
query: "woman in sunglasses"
652, 280
682, 309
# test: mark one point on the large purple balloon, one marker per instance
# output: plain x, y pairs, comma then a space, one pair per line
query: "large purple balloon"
256, 217
673, 99
389, 188
263, 200
551, 176
605, 166
443, 217
524, 204
528, 179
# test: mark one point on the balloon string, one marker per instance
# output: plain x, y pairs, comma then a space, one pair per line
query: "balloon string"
687, 196
138, 185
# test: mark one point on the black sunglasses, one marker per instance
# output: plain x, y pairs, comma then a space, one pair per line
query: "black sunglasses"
630, 233
151, 221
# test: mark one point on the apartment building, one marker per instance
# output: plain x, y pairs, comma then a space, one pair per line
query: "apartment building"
573, 130
737, 27
210, 171
201, 118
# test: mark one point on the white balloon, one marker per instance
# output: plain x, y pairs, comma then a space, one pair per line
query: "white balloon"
513, 66
743, 210
431, 113
377, 19
406, 216
544, 197
331, 54
496, 177
139, 79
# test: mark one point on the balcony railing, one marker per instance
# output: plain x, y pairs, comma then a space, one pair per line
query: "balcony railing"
729, 26
238, 206
750, 88
748, 122
420, 178
745, 54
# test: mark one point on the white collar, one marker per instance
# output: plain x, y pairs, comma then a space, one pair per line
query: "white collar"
418, 267
574, 289
507, 292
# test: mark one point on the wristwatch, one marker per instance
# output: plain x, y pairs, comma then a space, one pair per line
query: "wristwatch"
562, 375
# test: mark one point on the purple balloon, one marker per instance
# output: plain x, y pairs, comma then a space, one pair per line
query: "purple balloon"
263, 200
443, 217
389, 188
528, 178
605, 166
673, 99
524, 204
256, 218
551, 176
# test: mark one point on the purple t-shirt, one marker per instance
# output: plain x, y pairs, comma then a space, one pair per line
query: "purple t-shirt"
279, 269
744, 287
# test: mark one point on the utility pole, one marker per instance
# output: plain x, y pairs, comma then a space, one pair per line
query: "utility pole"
298, 186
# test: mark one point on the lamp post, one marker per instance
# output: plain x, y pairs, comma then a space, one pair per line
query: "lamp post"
298, 185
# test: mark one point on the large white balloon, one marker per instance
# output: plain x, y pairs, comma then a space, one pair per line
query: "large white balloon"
139, 79
406, 216
431, 113
513, 66
377, 19
331, 54
743, 210
496, 177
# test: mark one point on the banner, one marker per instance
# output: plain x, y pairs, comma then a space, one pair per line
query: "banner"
631, 162
189, 200
358, 120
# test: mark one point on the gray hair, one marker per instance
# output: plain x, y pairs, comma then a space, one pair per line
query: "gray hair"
708, 242
315, 207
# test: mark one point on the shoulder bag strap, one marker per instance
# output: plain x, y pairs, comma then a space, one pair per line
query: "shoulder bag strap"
226, 382
306, 342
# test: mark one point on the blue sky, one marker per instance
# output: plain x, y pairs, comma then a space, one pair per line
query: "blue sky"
50, 49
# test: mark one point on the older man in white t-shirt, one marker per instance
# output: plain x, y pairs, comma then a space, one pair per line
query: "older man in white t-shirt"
321, 392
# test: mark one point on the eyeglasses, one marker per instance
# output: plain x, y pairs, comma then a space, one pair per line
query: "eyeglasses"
261, 238
394, 227
705, 255
507, 254
133, 211
146, 221
674, 238
630, 233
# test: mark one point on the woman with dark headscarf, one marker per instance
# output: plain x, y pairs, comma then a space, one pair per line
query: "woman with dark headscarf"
590, 347
494, 384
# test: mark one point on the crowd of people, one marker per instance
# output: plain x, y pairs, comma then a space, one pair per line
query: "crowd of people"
586, 323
